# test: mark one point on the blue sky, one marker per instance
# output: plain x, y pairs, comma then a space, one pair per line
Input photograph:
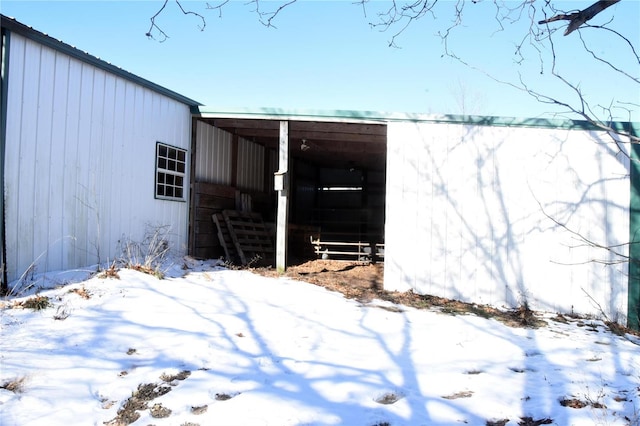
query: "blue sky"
325, 55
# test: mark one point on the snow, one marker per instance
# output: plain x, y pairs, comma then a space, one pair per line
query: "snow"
274, 351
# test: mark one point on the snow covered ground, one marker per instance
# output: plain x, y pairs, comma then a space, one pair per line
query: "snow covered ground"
210, 346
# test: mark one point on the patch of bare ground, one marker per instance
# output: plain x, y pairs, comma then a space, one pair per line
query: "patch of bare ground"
129, 412
364, 282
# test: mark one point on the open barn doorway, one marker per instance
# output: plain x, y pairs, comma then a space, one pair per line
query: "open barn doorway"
336, 178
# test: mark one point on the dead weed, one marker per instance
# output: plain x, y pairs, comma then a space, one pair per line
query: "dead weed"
16, 385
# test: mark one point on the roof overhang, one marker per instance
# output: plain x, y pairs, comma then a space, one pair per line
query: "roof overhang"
337, 139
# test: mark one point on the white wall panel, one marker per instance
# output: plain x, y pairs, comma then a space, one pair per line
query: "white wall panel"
80, 161
250, 171
213, 152
468, 215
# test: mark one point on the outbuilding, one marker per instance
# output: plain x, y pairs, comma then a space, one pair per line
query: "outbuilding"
499, 211
91, 154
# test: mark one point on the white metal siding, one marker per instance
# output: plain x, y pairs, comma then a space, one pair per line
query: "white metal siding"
80, 161
466, 215
214, 157
250, 174
213, 154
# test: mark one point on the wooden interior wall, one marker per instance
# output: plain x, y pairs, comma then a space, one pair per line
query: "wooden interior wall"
211, 198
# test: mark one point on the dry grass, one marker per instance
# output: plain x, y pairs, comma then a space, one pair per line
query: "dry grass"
37, 303
16, 385
82, 292
110, 272
148, 255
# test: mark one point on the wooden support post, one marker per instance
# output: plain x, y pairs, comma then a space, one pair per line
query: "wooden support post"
283, 198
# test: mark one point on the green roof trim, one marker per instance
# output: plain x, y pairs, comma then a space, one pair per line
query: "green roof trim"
13, 25
387, 117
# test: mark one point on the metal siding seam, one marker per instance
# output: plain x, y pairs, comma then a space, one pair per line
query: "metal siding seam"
200, 149
44, 142
12, 151
108, 231
207, 171
72, 138
633, 309
223, 162
5, 53
56, 168
28, 132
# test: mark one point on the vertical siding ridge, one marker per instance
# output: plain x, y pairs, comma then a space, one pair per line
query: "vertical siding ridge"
19, 166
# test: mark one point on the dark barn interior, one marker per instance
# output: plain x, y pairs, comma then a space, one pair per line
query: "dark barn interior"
337, 186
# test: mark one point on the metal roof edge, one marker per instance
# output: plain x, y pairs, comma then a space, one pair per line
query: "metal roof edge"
273, 113
386, 117
14, 25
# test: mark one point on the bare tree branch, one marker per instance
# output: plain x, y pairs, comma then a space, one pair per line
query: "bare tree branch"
153, 23
266, 18
619, 257
577, 19
218, 7
608, 63
399, 15
164, 35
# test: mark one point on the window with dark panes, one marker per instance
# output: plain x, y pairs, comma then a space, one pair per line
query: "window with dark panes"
171, 165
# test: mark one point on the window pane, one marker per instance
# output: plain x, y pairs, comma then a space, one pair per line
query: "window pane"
170, 171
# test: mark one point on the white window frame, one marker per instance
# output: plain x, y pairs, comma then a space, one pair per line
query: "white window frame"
171, 171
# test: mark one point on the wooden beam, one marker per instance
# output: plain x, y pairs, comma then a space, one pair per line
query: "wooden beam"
243, 125
250, 133
283, 198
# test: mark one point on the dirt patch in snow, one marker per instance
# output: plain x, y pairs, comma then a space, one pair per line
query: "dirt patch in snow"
364, 282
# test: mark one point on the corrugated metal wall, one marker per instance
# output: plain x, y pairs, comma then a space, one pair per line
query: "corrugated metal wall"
250, 175
80, 161
214, 155
214, 149
468, 215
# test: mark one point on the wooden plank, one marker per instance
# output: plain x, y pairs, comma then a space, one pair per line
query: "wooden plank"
249, 235
224, 236
224, 191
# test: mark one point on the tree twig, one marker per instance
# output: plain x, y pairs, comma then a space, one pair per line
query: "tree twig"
164, 35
